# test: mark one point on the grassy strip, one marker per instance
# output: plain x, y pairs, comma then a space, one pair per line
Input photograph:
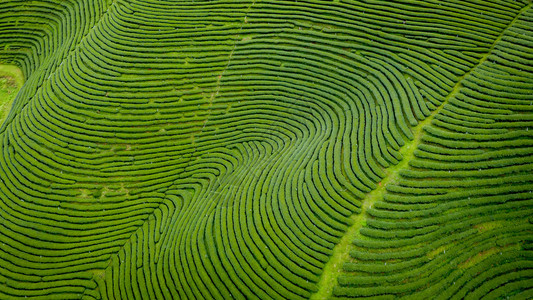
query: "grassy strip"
11, 80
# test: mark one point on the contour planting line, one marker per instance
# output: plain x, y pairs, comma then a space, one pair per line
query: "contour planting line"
60, 63
333, 267
147, 218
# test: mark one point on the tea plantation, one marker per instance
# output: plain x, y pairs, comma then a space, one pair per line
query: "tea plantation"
267, 149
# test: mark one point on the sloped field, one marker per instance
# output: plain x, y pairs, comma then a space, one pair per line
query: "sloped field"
267, 149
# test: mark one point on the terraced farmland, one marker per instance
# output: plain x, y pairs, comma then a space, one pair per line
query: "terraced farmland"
267, 149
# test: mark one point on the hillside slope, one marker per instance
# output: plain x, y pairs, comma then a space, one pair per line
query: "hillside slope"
267, 149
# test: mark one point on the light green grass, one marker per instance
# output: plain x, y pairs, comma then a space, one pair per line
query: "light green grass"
11, 80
